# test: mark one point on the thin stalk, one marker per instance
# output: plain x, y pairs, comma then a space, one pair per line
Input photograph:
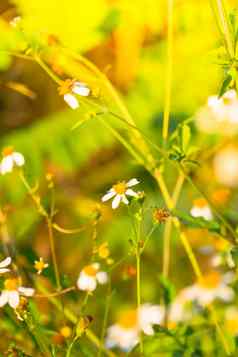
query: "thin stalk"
105, 318
69, 350
55, 294
222, 21
148, 237
166, 247
138, 290
124, 142
53, 252
48, 219
168, 226
48, 70
168, 81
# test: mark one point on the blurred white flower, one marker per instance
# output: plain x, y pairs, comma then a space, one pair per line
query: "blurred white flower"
119, 192
10, 159
12, 291
4, 264
201, 209
226, 166
178, 311
40, 265
220, 115
125, 333
90, 276
71, 87
210, 287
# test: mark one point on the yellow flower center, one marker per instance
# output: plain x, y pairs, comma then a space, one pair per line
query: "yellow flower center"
120, 188
103, 251
221, 196
90, 270
66, 331
227, 101
160, 215
66, 86
210, 281
200, 202
128, 319
11, 284
39, 265
221, 244
8, 151
232, 325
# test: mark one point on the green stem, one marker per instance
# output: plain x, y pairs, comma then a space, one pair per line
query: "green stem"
138, 283
53, 252
168, 81
69, 350
105, 318
48, 70
222, 21
43, 212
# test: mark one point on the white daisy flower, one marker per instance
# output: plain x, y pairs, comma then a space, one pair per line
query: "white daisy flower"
90, 276
226, 166
4, 264
10, 159
210, 287
12, 291
71, 87
119, 192
40, 265
125, 333
220, 114
178, 311
201, 209
225, 108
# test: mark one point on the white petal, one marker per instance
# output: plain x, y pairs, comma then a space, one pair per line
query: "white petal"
149, 315
4, 270
108, 195
81, 89
230, 94
124, 338
132, 182
86, 282
102, 277
7, 164
203, 212
4, 263
18, 158
225, 293
130, 192
13, 298
71, 101
4, 298
125, 200
26, 291
116, 201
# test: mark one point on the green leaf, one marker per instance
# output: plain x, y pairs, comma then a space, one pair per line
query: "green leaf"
225, 85
168, 290
198, 222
